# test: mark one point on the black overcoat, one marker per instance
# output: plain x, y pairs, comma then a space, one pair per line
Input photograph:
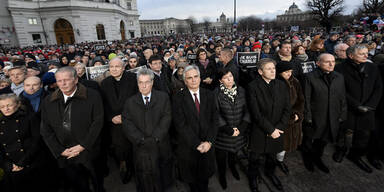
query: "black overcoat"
325, 104
87, 116
363, 87
270, 109
147, 128
192, 129
230, 115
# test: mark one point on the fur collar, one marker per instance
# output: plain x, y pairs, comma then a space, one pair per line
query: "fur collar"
81, 93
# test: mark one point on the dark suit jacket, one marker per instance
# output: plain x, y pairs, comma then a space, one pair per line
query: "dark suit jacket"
192, 129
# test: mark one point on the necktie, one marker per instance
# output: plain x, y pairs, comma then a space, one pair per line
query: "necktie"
146, 100
197, 103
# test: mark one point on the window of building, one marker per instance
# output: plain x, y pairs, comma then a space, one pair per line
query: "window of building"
100, 32
129, 5
36, 38
32, 21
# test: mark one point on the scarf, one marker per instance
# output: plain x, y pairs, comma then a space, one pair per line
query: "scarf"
285, 58
302, 57
230, 93
17, 89
34, 99
204, 63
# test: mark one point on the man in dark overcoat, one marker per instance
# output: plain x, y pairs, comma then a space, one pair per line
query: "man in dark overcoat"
146, 121
72, 118
162, 81
325, 109
364, 89
116, 89
195, 117
270, 111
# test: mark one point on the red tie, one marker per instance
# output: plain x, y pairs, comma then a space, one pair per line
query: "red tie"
197, 103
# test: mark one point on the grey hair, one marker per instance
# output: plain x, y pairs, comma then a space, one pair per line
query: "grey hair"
260, 65
67, 69
338, 46
119, 60
145, 71
349, 37
352, 50
10, 96
190, 67
21, 67
80, 65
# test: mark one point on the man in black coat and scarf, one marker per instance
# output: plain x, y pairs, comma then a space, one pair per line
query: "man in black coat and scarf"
72, 118
162, 81
195, 117
146, 121
270, 112
325, 109
364, 90
116, 89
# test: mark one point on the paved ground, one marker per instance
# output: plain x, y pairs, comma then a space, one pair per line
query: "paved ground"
344, 177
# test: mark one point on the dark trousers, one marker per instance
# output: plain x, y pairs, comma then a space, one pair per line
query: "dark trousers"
76, 177
222, 157
314, 147
255, 164
201, 186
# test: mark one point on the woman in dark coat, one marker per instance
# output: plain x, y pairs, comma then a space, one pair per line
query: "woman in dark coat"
292, 135
21, 154
207, 70
233, 121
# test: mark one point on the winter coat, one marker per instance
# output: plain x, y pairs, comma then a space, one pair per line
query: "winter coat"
192, 129
86, 115
270, 109
147, 128
292, 135
231, 114
363, 87
325, 104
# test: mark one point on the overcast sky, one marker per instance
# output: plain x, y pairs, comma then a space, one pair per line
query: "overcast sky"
182, 9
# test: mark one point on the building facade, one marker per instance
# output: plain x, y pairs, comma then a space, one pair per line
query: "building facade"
167, 26
294, 14
222, 25
47, 22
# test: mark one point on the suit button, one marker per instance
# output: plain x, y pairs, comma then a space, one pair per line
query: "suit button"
7, 154
4, 144
3, 122
17, 120
19, 140
1, 133
17, 130
21, 150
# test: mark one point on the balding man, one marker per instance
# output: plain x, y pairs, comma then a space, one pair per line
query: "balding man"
116, 89
33, 93
325, 109
147, 54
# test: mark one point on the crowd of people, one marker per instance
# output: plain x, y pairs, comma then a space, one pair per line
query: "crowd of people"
188, 110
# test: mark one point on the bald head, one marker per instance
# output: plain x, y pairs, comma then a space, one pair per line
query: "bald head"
326, 62
32, 85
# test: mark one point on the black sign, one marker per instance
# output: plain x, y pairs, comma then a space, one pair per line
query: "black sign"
94, 72
308, 66
248, 59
